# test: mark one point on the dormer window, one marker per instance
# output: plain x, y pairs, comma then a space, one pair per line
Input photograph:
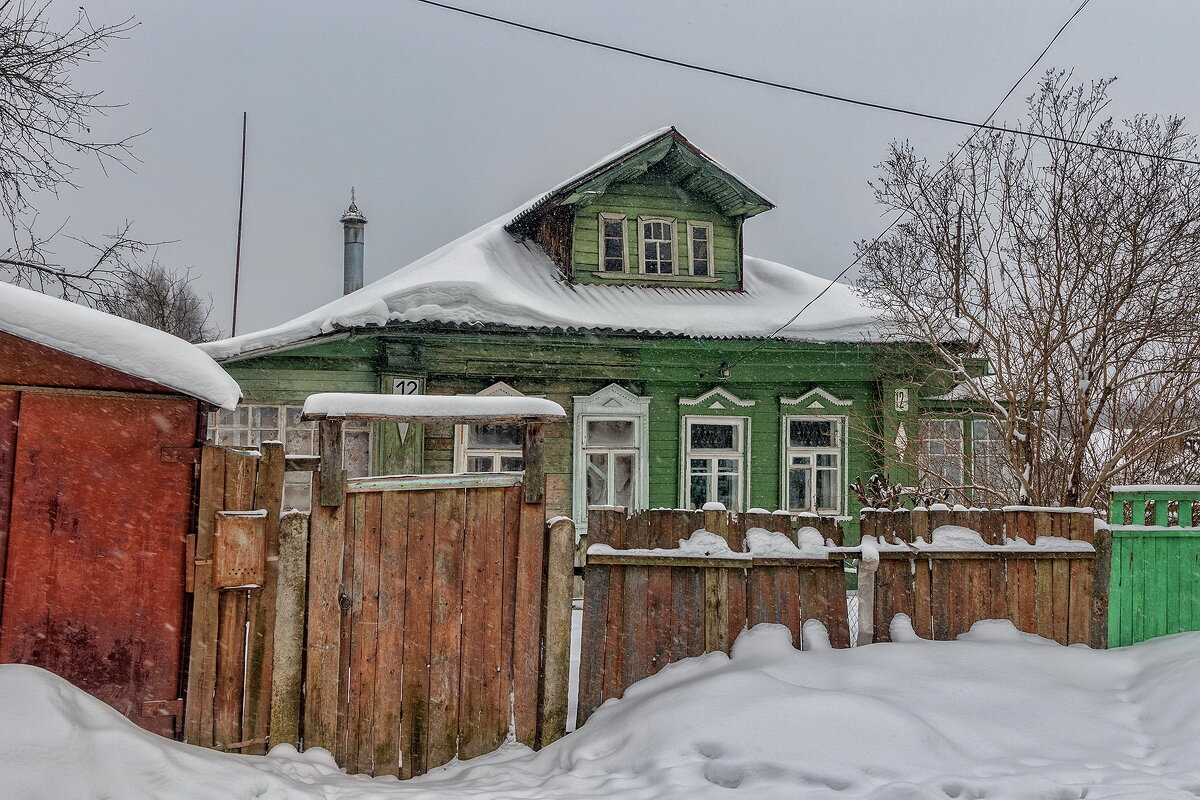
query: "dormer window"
612, 242
700, 240
658, 245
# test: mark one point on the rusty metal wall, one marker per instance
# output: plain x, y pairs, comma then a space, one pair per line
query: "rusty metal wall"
94, 587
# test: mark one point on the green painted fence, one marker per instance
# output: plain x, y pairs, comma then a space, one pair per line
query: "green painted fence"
1155, 584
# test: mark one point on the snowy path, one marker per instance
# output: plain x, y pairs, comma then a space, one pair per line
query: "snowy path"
996, 714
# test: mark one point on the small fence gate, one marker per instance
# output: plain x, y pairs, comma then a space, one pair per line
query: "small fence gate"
1156, 562
418, 621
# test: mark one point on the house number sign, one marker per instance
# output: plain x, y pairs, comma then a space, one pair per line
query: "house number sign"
406, 386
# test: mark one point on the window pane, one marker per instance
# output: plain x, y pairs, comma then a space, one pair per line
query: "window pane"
826, 488
612, 229
728, 465
231, 437
299, 443
235, 418
612, 248
698, 491
264, 417
610, 433
511, 464
709, 436
810, 433
798, 488
498, 435
356, 453
480, 464
297, 495
614, 265
664, 251
826, 460
622, 482
293, 418
700, 465
597, 479
727, 490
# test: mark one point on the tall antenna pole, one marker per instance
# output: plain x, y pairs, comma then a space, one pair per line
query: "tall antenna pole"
237, 259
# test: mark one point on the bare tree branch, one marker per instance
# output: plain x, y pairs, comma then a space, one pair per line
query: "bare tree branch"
1070, 272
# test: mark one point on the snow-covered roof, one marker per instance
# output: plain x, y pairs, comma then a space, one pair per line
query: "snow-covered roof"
429, 407
114, 342
489, 278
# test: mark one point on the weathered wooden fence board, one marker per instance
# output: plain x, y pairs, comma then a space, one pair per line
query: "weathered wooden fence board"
1056, 595
407, 624
644, 609
643, 612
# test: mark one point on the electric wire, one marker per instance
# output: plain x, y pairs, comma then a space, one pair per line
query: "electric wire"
902, 214
802, 90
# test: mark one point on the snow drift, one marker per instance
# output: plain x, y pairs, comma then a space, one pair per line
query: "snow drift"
995, 714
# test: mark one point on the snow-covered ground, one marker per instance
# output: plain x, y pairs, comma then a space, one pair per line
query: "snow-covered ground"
995, 714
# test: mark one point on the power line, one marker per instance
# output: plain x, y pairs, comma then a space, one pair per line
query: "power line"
902, 213
986, 126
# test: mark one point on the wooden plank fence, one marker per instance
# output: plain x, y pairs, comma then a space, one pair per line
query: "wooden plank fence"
643, 610
1059, 594
417, 621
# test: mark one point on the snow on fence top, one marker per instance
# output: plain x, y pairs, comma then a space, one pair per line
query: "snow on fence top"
117, 343
431, 408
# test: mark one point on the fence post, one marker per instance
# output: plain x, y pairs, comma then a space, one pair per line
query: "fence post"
560, 573
1100, 588
716, 589
868, 564
288, 651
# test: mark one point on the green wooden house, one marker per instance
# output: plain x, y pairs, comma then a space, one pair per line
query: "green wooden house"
624, 295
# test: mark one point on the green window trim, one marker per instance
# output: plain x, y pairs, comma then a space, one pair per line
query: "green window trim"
612, 260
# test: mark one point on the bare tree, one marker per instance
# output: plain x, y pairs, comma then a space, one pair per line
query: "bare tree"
162, 298
1072, 270
45, 132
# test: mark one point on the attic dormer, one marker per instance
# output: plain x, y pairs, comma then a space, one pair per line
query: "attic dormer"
657, 213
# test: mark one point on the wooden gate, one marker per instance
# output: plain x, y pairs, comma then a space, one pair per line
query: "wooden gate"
431, 646
406, 626
95, 504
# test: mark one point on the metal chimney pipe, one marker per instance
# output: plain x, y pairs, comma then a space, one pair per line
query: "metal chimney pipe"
353, 234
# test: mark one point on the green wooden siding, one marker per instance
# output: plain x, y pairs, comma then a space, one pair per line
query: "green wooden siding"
562, 366
653, 194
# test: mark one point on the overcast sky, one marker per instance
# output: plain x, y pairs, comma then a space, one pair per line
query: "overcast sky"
444, 122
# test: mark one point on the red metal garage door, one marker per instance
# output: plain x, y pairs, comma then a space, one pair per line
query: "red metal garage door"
95, 587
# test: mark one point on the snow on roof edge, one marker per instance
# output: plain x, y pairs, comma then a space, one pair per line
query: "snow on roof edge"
116, 343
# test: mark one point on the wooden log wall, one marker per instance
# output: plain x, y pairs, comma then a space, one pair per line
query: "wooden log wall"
642, 612
1058, 595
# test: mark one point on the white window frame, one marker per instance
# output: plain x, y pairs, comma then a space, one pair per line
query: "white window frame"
611, 402
838, 450
296, 481
462, 452
707, 226
990, 464
687, 454
674, 240
600, 220
924, 456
